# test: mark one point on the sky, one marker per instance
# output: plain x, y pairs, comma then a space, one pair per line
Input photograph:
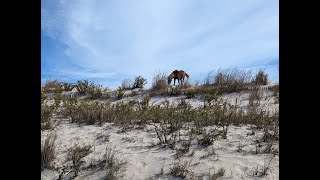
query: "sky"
109, 41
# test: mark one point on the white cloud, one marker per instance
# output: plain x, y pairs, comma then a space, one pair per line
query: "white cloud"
109, 38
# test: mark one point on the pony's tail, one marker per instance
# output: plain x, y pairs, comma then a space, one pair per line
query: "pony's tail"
187, 75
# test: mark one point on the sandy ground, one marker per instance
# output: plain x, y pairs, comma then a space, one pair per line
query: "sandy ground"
146, 162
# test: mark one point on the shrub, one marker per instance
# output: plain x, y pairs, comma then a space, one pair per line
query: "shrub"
82, 87
75, 155
120, 92
95, 91
114, 166
43, 97
159, 82
180, 168
48, 151
139, 82
46, 115
254, 97
206, 139
57, 100
190, 93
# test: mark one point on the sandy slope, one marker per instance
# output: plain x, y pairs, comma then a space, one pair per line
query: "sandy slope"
145, 162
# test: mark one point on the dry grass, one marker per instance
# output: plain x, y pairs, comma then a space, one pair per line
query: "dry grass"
82, 87
255, 97
75, 155
48, 151
52, 86
232, 80
46, 115
159, 83
180, 168
120, 92
114, 166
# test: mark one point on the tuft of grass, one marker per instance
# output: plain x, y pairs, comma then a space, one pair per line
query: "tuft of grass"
206, 138
159, 83
190, 93
46, 115
95, 91
263, 170
120, 92
48, 151
254, 97
43, 97
114, 166
75, 155
82, 87
185, 147
57, 100
180, 168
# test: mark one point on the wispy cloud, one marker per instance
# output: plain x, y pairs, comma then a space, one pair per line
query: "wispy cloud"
111, 40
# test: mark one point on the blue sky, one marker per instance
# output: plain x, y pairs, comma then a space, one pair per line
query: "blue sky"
108, 41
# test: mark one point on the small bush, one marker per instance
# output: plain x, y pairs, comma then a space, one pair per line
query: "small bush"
95, 91
206, 139
263, 170
82, 87
254, 97
190, 93
57, 100
75, 155
159, 83
46, 115
139, 82
180, 168
120, 92
48, 151
114, 166
176, 91
43, 97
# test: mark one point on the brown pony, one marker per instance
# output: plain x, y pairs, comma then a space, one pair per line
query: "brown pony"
180, 75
